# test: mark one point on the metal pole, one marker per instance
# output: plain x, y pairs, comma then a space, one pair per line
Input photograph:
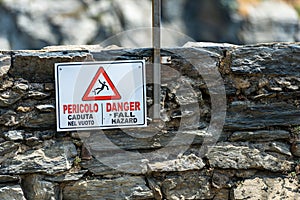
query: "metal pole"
156, 17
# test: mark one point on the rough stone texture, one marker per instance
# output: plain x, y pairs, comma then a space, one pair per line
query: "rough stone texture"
11, 192
38, 189
5, 64
246, 115
135, 165
256, 149
262, 135
184, 185
14, 135
53, 157
41, 64
267, 188
186, 163
132, 187
261, 60
8, 178
295, 148
128, 24
230, 156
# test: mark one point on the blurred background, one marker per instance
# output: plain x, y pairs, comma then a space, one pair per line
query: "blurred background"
34, 24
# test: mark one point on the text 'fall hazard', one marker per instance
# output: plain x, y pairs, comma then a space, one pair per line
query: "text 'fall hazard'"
100, 95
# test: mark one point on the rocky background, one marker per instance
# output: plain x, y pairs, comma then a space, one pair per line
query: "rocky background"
33, 24
255, 157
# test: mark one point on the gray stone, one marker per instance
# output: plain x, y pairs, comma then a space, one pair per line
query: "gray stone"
8, 147
5, 84
245, 115
45, 108
184, 163
180, 176
37, 95
125, 187
40, 120
9, 97
228, 156
295, 148
247, 173
14, 135
8, 178
98, 168
267, 188
261, 135
41, 64
54, 157
9, 118
129, 139
112, 162
32, 141
189, 185
146, 138
11, 192
111, 149
271, 59
35, 188
221, 194
49, 86
21, 87
69, 176
45, 135
222, 179
115, 162
33, 87
278, 147
4, 64
155, 187
211, 46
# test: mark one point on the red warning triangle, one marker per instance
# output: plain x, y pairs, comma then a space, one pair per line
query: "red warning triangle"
101, 89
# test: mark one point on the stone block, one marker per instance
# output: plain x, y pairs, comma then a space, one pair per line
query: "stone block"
229, 156
124, 187
53, 158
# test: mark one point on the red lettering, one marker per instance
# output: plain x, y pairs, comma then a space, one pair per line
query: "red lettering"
80, 108
114, 107
87, 107
137, 105
96, 107
108, 107
126, 107
132, 106
123, 106
120, 106
70, 108
65, 107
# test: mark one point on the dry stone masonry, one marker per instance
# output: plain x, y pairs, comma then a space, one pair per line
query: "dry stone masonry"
256, 156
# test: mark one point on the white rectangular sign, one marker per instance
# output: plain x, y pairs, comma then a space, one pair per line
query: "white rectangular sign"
100, 95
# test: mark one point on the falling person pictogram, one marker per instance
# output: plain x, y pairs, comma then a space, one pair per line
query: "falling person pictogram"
99, 89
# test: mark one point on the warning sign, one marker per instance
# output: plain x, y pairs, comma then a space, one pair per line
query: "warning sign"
101, 88
100, 95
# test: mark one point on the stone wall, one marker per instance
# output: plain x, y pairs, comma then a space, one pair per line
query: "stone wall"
202, 148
